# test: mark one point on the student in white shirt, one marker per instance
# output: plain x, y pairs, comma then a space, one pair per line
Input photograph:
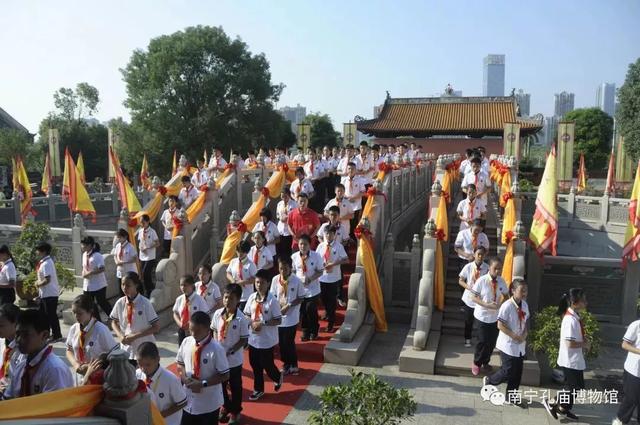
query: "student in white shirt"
348, 157
208, 289
467, 240
186, 305
283, 209
333, 255
342, 232
287, 288
264, 314
7, 276
465, 165
148, 242
94, 280
512, 323
260, 254
133, 318
125, 255
203, 367
354, 189
231, 329
344, 205
242, 271
488, 292
573, 345
301, 185
48, 288
188, 193
631, 375
47, 371
88, 337
167, 223
366, 163
471, 208
9, 349
308, 265
468, 276
216, 162
478, 178
165, 388
201, 176
269, 228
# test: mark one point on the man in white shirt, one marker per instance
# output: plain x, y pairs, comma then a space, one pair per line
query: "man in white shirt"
366, 167
285, 206
48, 288
465, 165
344, 205
308, 266
467, 277
242, 271
468, 240
354, 189
478, 178
148, 242
301, 185
188, 193
187, 304
208, 289
202, 367
349, 157
342, 232
216, 162
201, 175
333, 256
471, 208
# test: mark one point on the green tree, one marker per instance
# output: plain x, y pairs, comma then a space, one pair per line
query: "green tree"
322, 131
197, 88
628, 111
13, 143
78, 104
594, 129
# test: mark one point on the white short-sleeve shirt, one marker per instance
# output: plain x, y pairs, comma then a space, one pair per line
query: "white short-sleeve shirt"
261, 256
210, 293
313, 264
165, 390
481, 182
346, 209
470, 212
305, 187
464, 240
283, 211
7, 273
213, 360
217, 162
187, 196
45, 268
267, 336
570, 330
248, 271
342, 232
483, 289
341, 168
352, 187
336, 253
317, 172
143, 316
270, 231
234, 330
632, 336
52, 374
91, 263
196, 303
294, 290
125, 252
515, 318
167, 222
200, 177
471, 272
97, 340
147, 238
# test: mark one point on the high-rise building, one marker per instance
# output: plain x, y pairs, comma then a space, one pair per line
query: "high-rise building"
294, 114
493, 76
524, 100
606, 98
564, 103
376, 110
550, 130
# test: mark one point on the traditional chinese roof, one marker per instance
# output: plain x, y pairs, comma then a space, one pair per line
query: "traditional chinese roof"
7, 121
459, 116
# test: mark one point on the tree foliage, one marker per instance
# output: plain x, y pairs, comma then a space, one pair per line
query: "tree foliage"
322, 131
197, 88
594, 130
628, 110
76, 104
13, 143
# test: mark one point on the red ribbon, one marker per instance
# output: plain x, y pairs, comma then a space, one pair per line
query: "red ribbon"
384, 167
372, 191
162, 190
177, 223
503, 170
285, 167
204, 188
241, 227
507, 196
509, 235
361, 231
229, 167
265, 192
141, 388
440, 234
133, 222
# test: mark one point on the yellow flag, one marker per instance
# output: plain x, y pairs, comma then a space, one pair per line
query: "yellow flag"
544, 229
128, 197
582, 175
73, 189
631, 246
22, 186
144, 173
80, 167
46, 175
174, 168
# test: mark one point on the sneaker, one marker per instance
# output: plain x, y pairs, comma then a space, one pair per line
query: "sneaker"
223, 417
294, 371
313, 337
467, 343
285, 370
550, 408
277, 386
341, 303
256, 395
475, 369
304, 338
485, 381
616, 421
234, 419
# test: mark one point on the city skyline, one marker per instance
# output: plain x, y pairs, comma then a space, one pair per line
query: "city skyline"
606, 98
324, 66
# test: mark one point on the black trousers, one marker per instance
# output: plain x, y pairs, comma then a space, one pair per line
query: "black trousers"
100, 298
7, 296
49, 306
468, 321
630, 397
261, 360
353, 223
147, 276
309, 316
232, 390
209, 418
510, 372
166, 247
487, 337
287, 342
573, 381
182, 334
329, 292
283, 248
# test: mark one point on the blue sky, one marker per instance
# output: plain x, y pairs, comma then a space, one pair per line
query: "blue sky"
337, 57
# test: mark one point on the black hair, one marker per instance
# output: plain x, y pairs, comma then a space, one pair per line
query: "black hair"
4, 249
261, 233
303, 195
331, 229
375, 148
480, 248
35, 319
300, 170
185, 179
89, 240
148, 350
285, 260
10, 312
188, 279
123, 233
472, 186
244, 246
351, 164
363, 143
263, 274
44, 247
145, 217
201, 318
133, 276
335, 209
266, 212
476, 160
286, 189
478, 222
339, 185
176, 200
494, 260
304, 237
206, 266
573, 296
233, 289
469, 152
515, 284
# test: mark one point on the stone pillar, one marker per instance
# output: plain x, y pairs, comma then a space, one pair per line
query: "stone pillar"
114, 199
519, 250
387, 282
535, 271
630, 292
77, 233
17, 216
434, 200
51, 203
511, 139
257, 188
566, 136
186, 232
415, 265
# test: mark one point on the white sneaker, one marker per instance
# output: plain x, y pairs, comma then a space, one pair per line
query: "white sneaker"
616, 421
467, 343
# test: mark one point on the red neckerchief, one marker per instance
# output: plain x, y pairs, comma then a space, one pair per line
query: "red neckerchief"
40, 262
494, 288
121, 252
30, 371
203, 288
82, 341
569, 313
130, 306
327, 254
226, 319
6, 360
521, 314
474, 241
197, 353
471, 205
303, 258
184, 314
256, 256
240, 269
476, 271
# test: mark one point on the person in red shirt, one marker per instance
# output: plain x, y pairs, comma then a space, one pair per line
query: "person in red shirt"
303, 221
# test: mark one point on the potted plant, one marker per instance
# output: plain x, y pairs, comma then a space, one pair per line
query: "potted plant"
366, 399
545, 336
24, 254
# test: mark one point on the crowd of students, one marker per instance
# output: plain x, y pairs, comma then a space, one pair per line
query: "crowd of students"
289, 263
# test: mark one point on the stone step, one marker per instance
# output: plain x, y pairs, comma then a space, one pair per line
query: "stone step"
454, 359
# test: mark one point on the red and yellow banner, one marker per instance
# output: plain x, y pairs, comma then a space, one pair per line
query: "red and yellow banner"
45, 186
544, 229
631, 246
128, 197
73, 189
582, 175
22, 186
